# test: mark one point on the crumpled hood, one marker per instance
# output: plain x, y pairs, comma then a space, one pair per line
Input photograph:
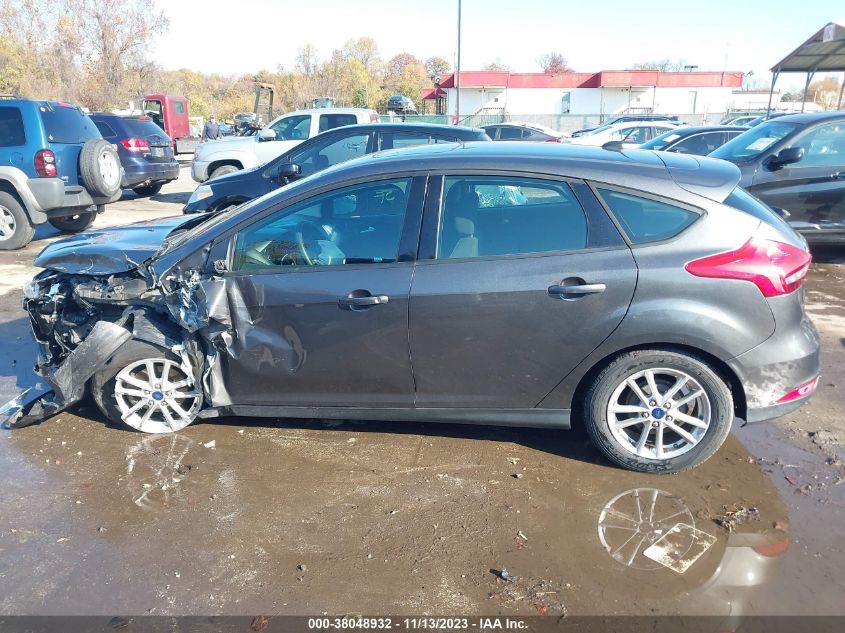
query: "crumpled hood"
107, 251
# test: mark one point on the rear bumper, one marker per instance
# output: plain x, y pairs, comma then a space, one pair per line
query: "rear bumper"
56, 199
140, 171
787, 360
821, 233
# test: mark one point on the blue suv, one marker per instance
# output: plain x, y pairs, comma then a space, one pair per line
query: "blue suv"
54, 167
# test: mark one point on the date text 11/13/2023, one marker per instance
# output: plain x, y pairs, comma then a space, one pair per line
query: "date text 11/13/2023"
418, 623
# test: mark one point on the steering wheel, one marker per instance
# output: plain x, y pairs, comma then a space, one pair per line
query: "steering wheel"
315, 230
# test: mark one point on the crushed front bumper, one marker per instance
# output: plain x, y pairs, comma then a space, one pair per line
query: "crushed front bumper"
65, 384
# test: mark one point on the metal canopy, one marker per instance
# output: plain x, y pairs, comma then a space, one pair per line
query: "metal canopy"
823, 52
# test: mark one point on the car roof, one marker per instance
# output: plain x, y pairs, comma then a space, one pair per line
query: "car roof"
530, 126
708, 177
408, 127
811, 117
687, 131
327, 111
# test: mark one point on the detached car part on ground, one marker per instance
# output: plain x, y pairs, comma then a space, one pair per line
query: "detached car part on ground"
639, 293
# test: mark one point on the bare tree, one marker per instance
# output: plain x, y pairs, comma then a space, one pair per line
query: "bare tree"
496, 66
663, 65
554, 64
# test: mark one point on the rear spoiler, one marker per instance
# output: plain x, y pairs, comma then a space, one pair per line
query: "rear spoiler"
707, 177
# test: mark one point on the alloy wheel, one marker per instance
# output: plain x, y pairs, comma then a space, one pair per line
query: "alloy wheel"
659, 413
7, 224
156, 396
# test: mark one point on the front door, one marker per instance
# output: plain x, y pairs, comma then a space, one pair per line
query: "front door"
318, 299
813, 189
516, 295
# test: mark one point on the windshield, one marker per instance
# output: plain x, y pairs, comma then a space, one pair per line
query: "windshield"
659, 142
755, 141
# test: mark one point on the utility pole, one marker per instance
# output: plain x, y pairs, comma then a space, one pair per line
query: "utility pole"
458, 72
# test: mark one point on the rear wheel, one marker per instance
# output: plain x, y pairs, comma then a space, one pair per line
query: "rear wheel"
145, 387
149, 190
74, 223
222, 171
658, 411
16, 231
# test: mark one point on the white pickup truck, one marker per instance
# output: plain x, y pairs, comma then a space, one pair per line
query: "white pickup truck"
216, 158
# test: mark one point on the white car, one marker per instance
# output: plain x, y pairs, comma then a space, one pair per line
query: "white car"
224, 156
631, 134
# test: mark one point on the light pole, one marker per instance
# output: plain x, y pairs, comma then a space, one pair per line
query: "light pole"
458, 72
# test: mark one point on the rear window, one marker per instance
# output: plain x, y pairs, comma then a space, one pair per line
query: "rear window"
66, 124
11, 127
645, 220
141, 128
105, 129
744, 201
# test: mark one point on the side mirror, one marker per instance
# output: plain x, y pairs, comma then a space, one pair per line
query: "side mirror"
785, 157
267, 134
288, 172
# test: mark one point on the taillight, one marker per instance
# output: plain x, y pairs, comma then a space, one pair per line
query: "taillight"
135, 145
45, 163
804, 390
774, 267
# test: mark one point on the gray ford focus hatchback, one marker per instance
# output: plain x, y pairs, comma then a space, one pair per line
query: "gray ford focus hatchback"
641, 294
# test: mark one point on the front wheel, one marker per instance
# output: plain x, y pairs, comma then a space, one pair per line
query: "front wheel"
222, 171
146, 388
74, 223
658, 411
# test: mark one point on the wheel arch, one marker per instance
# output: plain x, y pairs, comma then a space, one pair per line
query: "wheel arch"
714, 362
221, 162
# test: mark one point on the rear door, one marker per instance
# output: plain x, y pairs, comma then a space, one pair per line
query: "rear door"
813, 189
519, 279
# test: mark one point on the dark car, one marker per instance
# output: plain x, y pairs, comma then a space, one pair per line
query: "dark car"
527, 284
146, 152
317, 153
522, 132
629, 118
400, 103
797, 163
699, 141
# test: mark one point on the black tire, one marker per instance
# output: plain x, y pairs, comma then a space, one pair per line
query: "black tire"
99, 166
222, 171
103, 382
149, 190
74, 223
16, 230
599, 395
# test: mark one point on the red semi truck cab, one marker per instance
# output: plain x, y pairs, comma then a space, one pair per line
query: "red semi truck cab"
171, 114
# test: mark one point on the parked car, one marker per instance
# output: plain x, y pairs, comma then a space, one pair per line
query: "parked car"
629, 134
699, 140
742, 121
401, 287
797, 163
400, 103
146, 152
217, 158
629, 118
54, 167
512, 131
766, 117
318, 153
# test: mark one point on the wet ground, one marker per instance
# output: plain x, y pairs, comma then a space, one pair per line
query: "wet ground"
295, 517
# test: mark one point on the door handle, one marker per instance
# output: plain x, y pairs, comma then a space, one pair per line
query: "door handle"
576, 290
358, 299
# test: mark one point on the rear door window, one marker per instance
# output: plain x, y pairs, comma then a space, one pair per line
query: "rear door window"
337, 150
67, 124
331, 121
488, 216
645, 220
11, 127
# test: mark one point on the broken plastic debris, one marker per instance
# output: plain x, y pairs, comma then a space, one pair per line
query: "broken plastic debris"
210, 444
521, 535
680, 547
504, 575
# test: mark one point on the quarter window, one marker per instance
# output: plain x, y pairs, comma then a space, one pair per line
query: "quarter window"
494, 216
361, 224
11, 128
105, 129
645, 220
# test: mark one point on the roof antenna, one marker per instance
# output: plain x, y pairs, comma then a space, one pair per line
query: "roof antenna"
613, 146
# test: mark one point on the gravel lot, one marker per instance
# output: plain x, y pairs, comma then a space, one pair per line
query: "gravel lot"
304, 517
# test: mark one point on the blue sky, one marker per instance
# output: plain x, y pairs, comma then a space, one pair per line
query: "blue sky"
248, 35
